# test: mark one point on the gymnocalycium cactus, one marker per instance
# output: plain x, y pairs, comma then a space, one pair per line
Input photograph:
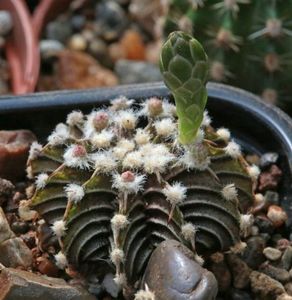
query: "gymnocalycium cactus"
248, 42
112, 189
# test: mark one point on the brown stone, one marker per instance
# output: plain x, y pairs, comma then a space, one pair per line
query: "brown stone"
5, 231
221, 272
14, 147
22, 285
265, 287
173, 273
240, 271
47, 267
270, 179
78, 70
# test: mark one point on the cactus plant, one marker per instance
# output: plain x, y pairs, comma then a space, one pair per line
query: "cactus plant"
116, 183
248, 42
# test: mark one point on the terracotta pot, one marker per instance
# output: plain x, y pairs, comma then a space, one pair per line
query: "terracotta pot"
21, 48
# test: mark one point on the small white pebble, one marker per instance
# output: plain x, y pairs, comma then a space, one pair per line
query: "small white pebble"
272, 253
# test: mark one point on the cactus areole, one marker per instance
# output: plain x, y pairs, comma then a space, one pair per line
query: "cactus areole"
149, 172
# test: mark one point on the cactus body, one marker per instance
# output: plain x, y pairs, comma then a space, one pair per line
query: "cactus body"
248, 42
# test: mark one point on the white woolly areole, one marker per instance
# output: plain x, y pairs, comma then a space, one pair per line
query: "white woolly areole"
229, 192
122, 148
59, 135
119, 221
41, 181
133, 160
76, 161
121, 103
169, 110
126, 119
253, 172
104, 162
102, 139
117, 256
246, 222
35, 150
165, 127
144, 295
195, 158
156, 157
59, 228
223, 134
175, 193
233, 149
132, 187
89, 126
188, 231
120, 280
61, 260
238, 248
206, 119
142, 137
74, 192
75, 118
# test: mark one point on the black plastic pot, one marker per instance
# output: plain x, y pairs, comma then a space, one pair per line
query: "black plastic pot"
257, 126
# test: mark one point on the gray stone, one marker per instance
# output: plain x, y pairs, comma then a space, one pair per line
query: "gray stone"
49, 48
22, 285
173, 273
264, 286
5, 231
253, 254
14, 253
59, 30
279, 274
137, 71
236, 294
272, 197
272, 253
286, 259
268, 159
110, 286
6, 22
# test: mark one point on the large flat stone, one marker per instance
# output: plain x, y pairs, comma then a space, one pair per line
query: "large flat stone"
22, 285
5, 231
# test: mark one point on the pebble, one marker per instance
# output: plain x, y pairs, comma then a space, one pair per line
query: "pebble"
47, 267
111, 19
268, 159
45, 237
272, 198
15, 253
137, 72
19, 227
18, 284
78, 70
269, 180
77, 42
272, 253
240, 271
284, 297
253, 254
59, 30
173, 273
236, 294
24, 211
6, 190
132, 45
277, 215
78, 22
282, 244
279, 274
264, 224
264, 286
288, 288
6, 22
49, 48
14, 147
286, 260
110, 286
221, 272
5, 231
29, 239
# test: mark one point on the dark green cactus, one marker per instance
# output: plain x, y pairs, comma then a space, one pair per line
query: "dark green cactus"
248, 42
112, 190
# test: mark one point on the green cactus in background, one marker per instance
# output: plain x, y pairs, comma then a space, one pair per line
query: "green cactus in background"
112, 188
248, 42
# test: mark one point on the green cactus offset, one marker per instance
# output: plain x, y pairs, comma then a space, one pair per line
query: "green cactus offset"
248, 42
117, 182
